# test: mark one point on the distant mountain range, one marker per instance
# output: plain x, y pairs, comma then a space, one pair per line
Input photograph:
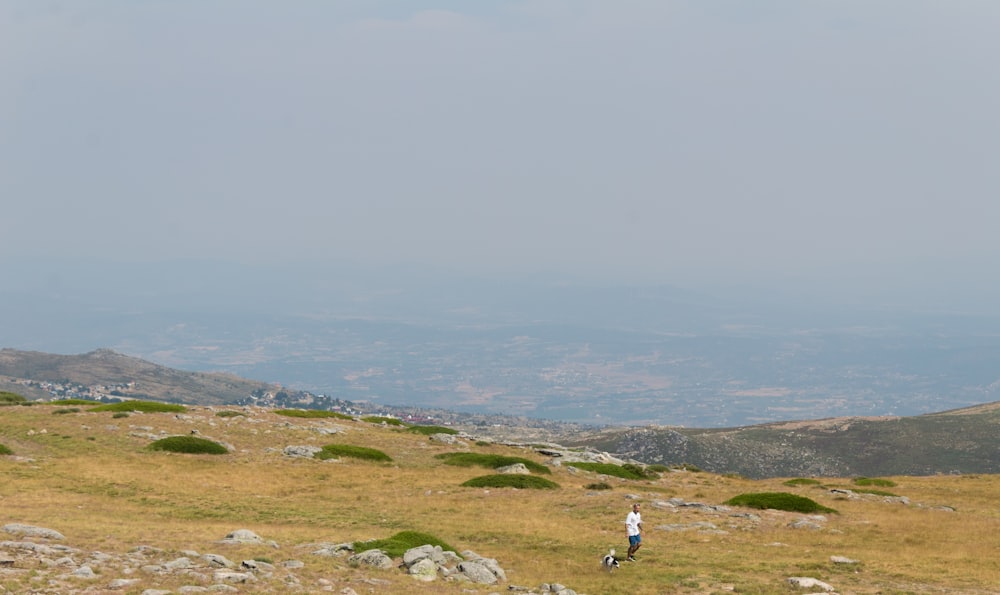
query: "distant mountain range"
965, 440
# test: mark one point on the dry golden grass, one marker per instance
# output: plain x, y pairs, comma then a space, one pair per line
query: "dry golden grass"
104, 490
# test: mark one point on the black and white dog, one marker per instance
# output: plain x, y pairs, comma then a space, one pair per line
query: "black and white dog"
610, 562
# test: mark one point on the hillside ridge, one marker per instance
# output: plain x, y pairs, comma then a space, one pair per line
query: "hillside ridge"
964, 440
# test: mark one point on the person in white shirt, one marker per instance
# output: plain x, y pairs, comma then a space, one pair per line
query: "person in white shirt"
633, 525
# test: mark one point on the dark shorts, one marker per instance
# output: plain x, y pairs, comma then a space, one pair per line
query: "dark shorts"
634, 540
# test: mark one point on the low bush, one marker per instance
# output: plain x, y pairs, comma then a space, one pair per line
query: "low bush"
120, 415
398, 544
622, 471
143, 406
802, 481
5, 451
380, 419
189, 445
428, 430
229, 413
873, 481
598, 486
66, 410
312, 413
470, 459
73, 402
521, 482
778, 501
8, 398
334, 451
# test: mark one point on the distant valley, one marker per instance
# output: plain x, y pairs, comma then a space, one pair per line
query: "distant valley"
543, 349
961, 441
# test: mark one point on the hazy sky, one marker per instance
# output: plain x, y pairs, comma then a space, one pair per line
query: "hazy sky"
655, 140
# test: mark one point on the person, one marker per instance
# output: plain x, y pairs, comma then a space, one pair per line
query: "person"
633, 526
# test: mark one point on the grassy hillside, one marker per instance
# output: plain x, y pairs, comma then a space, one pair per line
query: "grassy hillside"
107, 367
91, 476
959, 441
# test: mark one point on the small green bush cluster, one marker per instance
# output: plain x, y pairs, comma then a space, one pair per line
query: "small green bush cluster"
628, 471
229, 413
189, 445
428, 430
8, 398
778, 501
312, 413
802, 481
873, 481
398, 544
598, 486
379, 419
5, 451
143, 406
334, 451
469, 459
521, 482
66, 410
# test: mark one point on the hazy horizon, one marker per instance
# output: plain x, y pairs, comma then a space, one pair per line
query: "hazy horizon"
840, 146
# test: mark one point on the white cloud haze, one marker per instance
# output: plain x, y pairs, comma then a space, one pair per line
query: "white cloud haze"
659, 141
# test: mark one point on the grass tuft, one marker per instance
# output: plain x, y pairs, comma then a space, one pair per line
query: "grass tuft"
381, 419
189, 445
9, 398
470, 459
334, 451
5, 451
398, 544
802, 481
627, 471
778, 501
229, 413
598, 486
144, 406
312, 413
521, 482
428, 430
873, 481
66, 410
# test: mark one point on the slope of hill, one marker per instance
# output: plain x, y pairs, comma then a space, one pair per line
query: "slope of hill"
134, 377
87, 506
959, 441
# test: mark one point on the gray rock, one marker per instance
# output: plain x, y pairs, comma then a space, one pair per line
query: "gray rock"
805, 582
424, 570
123, 583
373, 558
32, 531
477, 573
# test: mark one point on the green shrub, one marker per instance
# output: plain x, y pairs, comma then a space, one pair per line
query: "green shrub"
73, 402
428, 430
873, 481
877, 493
398, 544
229, 413
778, 501
312, 413
629, 472
5, 451
334, 451
469, 459
802, 481
144, 406
66, 410
379, 419
120, 415
8, 398
521, 482
189, 445
598, 486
